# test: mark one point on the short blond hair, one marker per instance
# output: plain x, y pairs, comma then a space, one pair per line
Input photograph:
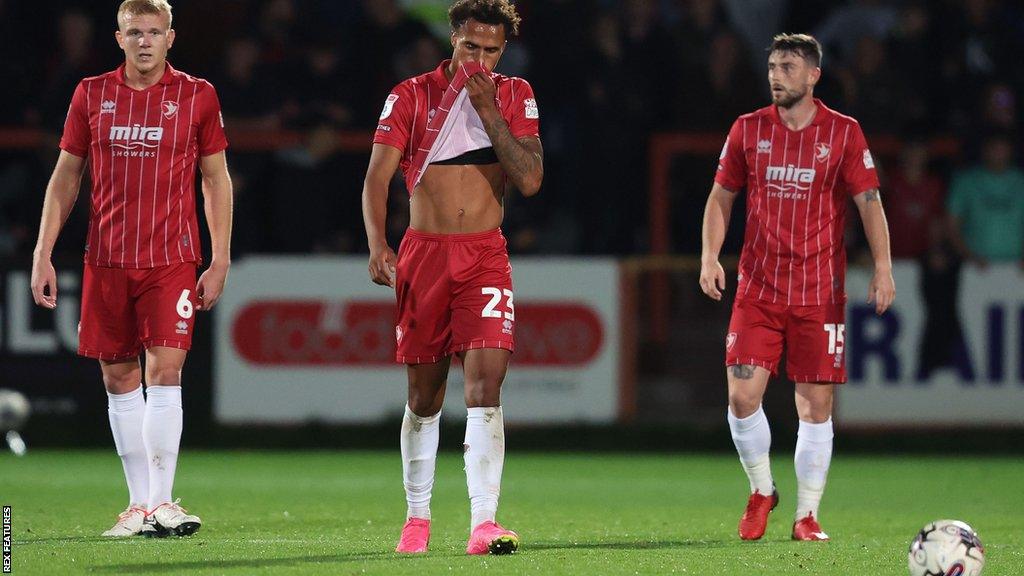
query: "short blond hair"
137, 7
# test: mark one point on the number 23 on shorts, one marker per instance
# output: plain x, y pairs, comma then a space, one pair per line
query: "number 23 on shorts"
490, 311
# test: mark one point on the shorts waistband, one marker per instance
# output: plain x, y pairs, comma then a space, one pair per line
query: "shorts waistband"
471, 237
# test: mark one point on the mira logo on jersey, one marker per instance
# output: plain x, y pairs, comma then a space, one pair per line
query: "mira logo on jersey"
789, 182
135, 141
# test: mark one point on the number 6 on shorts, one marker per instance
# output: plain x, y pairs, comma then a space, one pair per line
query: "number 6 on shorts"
184, 306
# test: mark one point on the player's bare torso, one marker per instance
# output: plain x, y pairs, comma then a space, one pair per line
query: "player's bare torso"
458, 199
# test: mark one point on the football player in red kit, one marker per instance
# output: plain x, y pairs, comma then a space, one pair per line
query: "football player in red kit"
799, 162
460, 134
143, 129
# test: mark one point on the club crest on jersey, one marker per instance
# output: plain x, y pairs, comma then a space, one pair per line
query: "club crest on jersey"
182, 327
506, 327
821, 151
730, 340
170, 108
107, 107
530, 104
764, 146
398, 334
389, 105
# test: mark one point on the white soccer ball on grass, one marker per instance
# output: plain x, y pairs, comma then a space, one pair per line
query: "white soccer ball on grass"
946, 548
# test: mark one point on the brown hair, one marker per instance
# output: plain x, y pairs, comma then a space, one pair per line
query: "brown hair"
492, 12
805, 45
137, 7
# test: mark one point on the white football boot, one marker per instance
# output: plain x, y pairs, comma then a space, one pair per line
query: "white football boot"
129, 522
170, 519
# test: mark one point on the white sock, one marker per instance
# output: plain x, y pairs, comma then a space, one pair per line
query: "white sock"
161, 431
753, 439
485, 456
420, 435
126, 412
812, 458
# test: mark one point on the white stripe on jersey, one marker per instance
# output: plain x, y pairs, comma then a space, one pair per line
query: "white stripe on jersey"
831, 217
142, 172
778, 230
156, 173
124, 189
170, 183
792, 224
767, 217
807, 223
821, 201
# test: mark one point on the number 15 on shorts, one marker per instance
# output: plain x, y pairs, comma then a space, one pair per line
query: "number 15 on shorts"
836, 337
490, 311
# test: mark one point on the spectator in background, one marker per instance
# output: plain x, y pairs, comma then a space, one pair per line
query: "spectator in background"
986, 206
72, 59
315, 105
916, 211
721, 90
912, 50
384, 30
248, 96
844, 28
871, 91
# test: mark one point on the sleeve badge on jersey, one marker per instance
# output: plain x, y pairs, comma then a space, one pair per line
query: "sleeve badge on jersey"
389, 104
530, 105
869, 162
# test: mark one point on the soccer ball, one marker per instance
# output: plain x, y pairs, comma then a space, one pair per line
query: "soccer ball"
946, 548
14, 410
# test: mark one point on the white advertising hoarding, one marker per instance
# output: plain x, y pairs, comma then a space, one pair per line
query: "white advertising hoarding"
312, 339
983, 386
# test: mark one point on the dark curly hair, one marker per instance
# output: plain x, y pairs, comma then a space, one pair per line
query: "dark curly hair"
492, 12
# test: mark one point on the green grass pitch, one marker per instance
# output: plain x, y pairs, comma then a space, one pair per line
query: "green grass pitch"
340, 513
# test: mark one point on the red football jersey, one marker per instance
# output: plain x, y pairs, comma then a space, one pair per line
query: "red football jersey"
414, 102
143, 147
798, 184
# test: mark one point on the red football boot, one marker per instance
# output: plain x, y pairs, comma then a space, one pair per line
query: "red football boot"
808, 530
755, 518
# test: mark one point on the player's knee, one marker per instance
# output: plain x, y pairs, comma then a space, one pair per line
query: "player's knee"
425, 405
163, 375
742, 403
122, 383
483, 392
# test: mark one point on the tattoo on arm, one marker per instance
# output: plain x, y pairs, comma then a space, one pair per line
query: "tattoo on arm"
872, 195
742, 371
521, 160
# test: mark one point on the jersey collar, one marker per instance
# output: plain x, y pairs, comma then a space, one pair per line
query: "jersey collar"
166, 79
439, 77
819, 116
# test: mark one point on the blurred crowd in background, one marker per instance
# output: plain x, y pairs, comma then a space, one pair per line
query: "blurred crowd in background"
607, 74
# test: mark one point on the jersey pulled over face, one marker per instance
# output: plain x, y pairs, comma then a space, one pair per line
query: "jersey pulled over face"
413, 103
143, 147
798, 185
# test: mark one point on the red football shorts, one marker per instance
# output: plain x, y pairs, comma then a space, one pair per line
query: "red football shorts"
454, 293
814, 337
127, 309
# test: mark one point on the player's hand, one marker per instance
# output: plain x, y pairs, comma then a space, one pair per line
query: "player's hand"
211, 285
482, 92
712, 279
882, 290
382, 266
44, 276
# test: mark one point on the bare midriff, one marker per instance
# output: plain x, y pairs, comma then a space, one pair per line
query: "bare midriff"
460, 199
